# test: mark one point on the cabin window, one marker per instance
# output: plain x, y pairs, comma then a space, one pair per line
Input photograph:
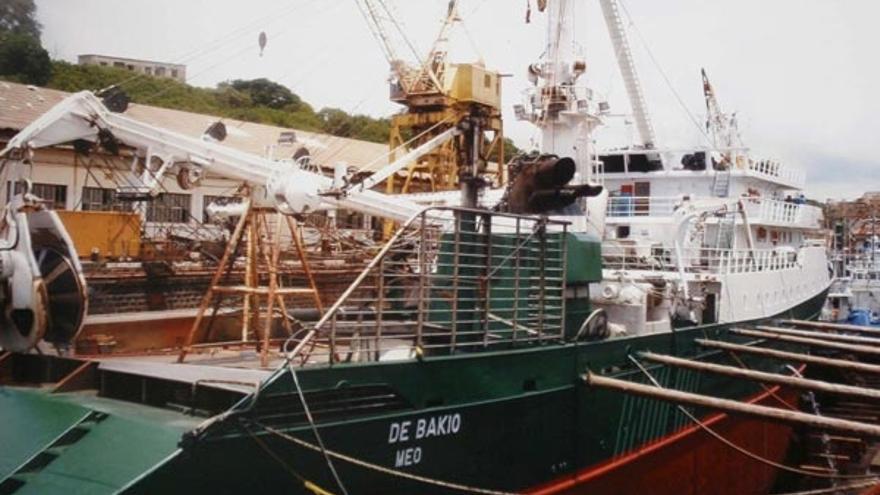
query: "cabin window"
54, 195
169, 208
102, 199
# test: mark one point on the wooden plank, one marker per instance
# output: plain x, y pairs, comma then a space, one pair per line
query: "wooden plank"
763, 376
791, 356
859, 349
833, 326
732, 406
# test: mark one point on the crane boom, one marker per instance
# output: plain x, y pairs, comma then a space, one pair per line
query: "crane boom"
623, 53
292, 190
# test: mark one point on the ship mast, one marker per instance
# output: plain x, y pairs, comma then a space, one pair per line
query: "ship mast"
555, 104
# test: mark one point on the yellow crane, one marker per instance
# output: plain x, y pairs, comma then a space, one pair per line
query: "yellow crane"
437, 95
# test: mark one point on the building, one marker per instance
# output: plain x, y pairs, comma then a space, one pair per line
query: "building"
78, 182
148, 67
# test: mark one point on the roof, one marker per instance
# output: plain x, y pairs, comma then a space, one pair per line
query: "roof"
21, 104
127, 59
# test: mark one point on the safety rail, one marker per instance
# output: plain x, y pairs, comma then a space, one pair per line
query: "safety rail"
450, 280
783, 213
778, 172
624, 256
760, 211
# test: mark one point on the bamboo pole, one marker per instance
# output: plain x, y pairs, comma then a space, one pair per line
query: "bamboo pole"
732, 406
763, 376
834, 326
859, 349
791, 356
853, 339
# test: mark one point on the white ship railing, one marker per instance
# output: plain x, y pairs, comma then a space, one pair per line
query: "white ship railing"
783, 213
698, 260
778, 172
759, 211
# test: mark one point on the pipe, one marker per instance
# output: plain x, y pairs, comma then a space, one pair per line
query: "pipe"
763, 376
732, 406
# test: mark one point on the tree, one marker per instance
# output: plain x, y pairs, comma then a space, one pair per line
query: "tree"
19, 17
264, 92
22, 59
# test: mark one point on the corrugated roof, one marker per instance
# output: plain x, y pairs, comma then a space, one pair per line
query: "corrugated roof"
21, 104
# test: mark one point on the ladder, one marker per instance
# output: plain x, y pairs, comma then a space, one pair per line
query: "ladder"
721, 185
726, 229
622, 51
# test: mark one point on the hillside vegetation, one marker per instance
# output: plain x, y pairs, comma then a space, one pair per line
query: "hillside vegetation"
258, 100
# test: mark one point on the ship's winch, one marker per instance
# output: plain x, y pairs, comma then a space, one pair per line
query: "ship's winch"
42, 289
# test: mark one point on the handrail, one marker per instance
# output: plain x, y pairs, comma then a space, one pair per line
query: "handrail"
479, 275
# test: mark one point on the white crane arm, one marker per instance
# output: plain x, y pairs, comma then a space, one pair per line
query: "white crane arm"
292, 190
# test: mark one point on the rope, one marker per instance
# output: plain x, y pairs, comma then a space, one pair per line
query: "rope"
383, 469
324, 451
308, 485
835, 489
745, 452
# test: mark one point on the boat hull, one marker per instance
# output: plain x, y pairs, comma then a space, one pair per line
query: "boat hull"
511, 421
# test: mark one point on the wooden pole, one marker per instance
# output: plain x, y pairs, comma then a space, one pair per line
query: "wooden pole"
763, 376
859, 349
854, 339
732, 406
791, 356
834, 326
215, 279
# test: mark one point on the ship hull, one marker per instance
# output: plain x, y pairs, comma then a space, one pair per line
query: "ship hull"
519, 421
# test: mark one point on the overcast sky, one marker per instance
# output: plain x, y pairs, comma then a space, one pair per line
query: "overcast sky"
803, 75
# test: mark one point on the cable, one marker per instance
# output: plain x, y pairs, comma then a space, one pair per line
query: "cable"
663, 73
383, 469
742, 450
324, 451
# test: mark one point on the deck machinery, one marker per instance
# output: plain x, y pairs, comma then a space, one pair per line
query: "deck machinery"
437, 95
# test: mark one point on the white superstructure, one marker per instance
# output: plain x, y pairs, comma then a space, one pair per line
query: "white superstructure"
690, 236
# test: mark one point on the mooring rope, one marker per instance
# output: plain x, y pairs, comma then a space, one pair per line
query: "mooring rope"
748, 453
383, 469
834, 489
302, 399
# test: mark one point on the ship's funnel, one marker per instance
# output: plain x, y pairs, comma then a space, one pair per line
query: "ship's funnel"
541, 185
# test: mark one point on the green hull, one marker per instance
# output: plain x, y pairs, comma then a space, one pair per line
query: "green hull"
510, 420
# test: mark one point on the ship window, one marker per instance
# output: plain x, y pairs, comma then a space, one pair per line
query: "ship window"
623, 231
54, 195
169, 207
530, 385
102, 199
487, 81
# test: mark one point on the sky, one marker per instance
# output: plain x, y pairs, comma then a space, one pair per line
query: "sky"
802, 75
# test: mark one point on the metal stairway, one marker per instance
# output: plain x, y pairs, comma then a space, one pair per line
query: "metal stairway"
721, 185
724, 236
617, 32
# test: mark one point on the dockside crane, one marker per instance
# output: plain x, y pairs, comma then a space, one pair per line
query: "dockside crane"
437, 96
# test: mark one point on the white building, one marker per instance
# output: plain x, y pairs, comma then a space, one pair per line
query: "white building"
148, 67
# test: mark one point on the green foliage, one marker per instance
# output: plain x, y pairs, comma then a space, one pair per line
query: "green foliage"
259, 100
19, 17
23, 60
266, 93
